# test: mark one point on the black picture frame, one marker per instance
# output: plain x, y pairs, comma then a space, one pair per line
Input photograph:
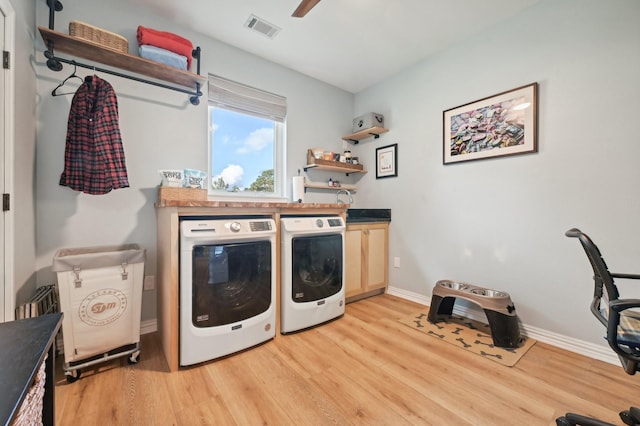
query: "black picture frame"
387, 161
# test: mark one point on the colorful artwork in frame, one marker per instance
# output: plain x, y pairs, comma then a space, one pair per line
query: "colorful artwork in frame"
499, 125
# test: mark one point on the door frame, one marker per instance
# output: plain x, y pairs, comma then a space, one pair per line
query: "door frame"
7, 285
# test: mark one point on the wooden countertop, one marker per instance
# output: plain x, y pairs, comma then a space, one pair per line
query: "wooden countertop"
249, 204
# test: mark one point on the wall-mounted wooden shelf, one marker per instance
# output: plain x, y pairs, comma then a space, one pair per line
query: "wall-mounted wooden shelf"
93, 51
374, 132
337, 167
332, 166
348, 187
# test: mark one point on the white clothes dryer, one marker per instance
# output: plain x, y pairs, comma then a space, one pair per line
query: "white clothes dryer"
312, 271
227, 286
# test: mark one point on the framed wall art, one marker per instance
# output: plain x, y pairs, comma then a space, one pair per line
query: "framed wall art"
387, 161
496, 126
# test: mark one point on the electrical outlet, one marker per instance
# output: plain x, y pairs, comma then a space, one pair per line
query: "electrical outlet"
149, 282
396, 262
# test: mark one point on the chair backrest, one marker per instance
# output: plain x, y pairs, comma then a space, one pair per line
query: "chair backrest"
604, 287
605, 292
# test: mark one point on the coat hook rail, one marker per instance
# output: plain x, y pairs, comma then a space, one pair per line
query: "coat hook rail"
53, 63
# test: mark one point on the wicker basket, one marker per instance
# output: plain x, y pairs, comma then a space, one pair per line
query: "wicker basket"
168, 193
98, 35
30, 412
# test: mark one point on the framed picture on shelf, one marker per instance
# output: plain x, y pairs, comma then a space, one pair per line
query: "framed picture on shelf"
387, 161
496, 126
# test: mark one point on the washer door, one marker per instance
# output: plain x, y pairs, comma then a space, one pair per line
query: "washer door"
231, 282
317, 267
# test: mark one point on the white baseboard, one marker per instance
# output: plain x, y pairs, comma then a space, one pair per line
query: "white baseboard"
148, 326
599, 352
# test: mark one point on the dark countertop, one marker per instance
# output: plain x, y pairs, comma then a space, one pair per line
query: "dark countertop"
24, 345
368, 215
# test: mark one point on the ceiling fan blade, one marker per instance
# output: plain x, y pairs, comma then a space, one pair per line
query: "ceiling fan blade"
304, 7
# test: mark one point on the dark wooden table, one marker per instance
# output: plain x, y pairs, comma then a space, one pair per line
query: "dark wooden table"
23, 346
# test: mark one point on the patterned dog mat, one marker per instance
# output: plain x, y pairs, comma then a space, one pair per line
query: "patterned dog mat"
470, 335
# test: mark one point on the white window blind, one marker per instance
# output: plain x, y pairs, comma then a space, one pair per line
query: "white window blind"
240, 98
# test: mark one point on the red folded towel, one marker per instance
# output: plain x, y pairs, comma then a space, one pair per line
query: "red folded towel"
166, 40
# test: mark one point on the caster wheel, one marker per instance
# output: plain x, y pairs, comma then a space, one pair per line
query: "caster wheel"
133, 359
73, 376
630, 417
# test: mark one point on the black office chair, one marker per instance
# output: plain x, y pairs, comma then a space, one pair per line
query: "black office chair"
621, 318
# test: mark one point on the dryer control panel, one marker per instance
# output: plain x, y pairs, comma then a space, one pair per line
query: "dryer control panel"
312, 223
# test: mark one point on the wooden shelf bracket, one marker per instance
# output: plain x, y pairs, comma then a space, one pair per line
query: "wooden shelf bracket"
357, 141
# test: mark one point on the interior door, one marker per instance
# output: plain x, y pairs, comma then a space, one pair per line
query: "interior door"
353, 259
377, 255
7, 96
3, 315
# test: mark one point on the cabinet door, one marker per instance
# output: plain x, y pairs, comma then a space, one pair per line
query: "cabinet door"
353, 260
377, 254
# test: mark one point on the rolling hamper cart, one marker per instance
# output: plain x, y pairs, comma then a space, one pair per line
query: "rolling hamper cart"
101, 297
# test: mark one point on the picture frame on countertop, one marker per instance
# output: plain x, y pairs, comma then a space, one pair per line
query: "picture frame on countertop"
496, 126
387, 161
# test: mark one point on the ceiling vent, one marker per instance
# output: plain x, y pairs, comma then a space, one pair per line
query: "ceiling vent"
263, 27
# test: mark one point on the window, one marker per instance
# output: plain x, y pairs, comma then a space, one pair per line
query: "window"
246, 139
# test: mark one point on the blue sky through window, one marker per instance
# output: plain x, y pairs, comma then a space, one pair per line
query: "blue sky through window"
242, 147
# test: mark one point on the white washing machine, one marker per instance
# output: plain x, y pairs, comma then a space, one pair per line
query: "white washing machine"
227, 286
312, 271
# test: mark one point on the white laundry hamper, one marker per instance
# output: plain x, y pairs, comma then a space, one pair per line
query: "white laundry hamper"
101, 297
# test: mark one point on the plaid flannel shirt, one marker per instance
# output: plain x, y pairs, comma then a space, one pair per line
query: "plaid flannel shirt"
94, 160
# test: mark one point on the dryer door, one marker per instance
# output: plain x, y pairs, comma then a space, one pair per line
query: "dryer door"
231, 282
317, 267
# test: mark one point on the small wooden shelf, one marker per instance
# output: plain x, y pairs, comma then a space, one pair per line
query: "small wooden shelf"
337, 167
93, 51
332, 188
363, 134
332, 166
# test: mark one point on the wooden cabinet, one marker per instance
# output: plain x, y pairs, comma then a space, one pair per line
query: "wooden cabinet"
366, 258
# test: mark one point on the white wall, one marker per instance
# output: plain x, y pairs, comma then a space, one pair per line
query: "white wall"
500, 223
160, 129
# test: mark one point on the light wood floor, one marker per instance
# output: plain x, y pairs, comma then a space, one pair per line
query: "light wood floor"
365, 368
